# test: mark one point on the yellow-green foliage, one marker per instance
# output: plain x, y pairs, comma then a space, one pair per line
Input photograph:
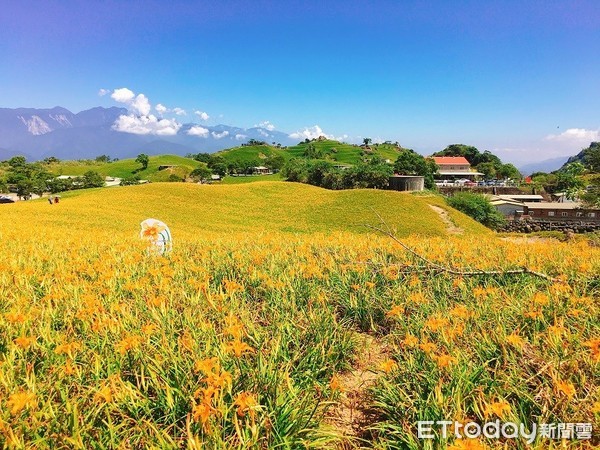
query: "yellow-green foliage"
239, 337
268, 206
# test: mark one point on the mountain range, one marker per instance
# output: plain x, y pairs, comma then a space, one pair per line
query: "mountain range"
40, 133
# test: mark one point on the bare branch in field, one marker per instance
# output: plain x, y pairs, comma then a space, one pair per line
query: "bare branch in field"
454, 271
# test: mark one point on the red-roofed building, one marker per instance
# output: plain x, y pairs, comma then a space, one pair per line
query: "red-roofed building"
454, 167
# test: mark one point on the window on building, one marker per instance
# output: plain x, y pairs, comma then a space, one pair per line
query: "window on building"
591, 214
550, 213
564, 214
579, 214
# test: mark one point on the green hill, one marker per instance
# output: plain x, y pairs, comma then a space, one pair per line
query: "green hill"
251, 153
345, 153
334, 151
128, 167
253, 207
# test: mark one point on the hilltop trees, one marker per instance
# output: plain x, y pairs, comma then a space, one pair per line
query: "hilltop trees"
374, 173
143, 159
312, 152
410, 162
103, 159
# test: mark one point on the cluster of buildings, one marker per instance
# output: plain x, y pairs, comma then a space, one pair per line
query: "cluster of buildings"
534, 207
512, 206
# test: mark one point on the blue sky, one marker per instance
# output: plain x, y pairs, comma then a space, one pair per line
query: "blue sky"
521, 78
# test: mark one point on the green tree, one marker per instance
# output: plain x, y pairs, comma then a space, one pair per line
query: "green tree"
201, 174
296, 169
372, 174
367, 141
488, 169
592, 157
569, 180
508, 171
478, 207
17, 162
410, 162
317, 171
56, 185
202, 157
274, 162
91, 179
143, 159
312, 152
103, 159
130, 181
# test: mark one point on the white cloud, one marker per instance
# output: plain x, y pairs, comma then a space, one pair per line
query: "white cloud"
103, 92
575, 135
122, 95
179, 111
139, 120
139, 104
198, 131
146, 124
220, 135
313, 132
240, 137
266, 125
202, 115
263, 133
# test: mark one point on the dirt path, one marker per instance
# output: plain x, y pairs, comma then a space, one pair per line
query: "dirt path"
452, 229
350, 417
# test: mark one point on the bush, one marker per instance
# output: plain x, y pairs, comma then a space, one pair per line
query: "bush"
175, 178
478, 207
130, 181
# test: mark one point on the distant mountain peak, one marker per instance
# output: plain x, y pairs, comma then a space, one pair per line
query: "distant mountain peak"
35, 125
39, 133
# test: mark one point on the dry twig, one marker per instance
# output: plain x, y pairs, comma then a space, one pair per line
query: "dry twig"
463, 273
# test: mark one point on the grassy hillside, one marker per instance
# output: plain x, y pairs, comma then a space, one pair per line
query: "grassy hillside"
261, 206
128, 167
334, 151
252, 153
345, 153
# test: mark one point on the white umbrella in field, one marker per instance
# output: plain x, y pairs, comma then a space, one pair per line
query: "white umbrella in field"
158, 235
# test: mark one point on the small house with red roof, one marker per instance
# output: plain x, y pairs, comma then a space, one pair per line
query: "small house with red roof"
455, 167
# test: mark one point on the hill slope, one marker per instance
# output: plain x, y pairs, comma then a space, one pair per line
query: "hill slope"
334, 151
345, 153
249, 153
254, 207
128, 167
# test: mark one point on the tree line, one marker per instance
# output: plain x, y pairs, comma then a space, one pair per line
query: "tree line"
25, 178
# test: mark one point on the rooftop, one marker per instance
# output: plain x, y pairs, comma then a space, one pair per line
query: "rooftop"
459, 172
450, 160
552, 205
522, 197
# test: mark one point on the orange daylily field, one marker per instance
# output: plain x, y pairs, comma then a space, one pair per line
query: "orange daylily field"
243, 336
